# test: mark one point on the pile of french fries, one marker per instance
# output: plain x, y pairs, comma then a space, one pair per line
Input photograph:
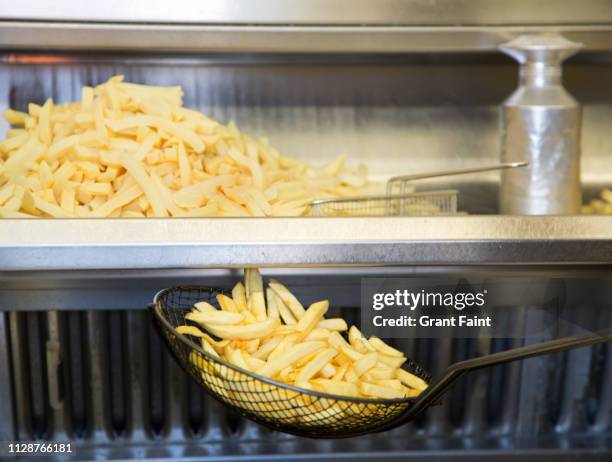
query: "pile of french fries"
600, 206
269, 333
128, 150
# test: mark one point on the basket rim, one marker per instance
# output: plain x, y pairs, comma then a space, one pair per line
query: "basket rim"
158, 310
437, 192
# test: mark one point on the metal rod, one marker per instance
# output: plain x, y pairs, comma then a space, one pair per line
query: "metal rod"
461, 171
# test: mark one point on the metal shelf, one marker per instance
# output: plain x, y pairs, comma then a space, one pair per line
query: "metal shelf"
317, 12
47, 244
24, 35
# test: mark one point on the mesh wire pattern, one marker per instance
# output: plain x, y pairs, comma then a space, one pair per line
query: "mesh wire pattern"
428, 203
270, 403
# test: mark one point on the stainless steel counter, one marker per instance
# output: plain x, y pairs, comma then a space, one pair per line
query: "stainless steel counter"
282, 242
384, 26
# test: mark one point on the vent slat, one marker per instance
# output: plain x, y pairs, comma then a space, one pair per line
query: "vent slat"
75, 360
35, 338
21, 376
97, 377
7, 427
137, 372
116, 371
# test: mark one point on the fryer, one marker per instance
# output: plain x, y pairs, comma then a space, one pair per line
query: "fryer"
406, 86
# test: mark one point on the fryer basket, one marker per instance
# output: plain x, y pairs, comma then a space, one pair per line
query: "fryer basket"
270, 403
308, 413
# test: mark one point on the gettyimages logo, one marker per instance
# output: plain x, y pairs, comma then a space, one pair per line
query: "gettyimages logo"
413, 300
496, 307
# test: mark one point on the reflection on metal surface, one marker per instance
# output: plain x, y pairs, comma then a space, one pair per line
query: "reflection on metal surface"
275, 39
391, 12
217, 242
540, 123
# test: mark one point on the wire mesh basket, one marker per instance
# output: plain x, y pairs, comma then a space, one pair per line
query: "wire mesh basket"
270, 403
430, 203
401, 200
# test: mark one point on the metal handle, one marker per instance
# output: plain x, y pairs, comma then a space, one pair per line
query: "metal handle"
439, 388
462, 171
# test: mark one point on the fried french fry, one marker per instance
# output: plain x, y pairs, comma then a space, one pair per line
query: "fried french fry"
379, 391
338, 387
243, 332
410, 380
312, 316
239, 297
294, 305
272, 304
296, 346
366, 363
336, 324
316, 364
226, 303
205, 307
215, 317
289, 357
383, 348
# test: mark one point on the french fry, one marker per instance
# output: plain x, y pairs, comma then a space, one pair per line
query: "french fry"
243, 332
338, 387
204, 307
215, 317
383, 348
300, 348
316, 364
364, 364
336, 324
287, 297
239, 297
284, 312
227, 304
272, 304
311, 317
267, 347
379, 391
179, 159
290, 356
317, 334
410, 380
255, 294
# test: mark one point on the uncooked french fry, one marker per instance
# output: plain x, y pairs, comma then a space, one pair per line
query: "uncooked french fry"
185, 163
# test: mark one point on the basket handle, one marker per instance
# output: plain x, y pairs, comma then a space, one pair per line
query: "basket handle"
440, 387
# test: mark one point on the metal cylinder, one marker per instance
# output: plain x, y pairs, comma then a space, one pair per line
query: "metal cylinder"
540, 123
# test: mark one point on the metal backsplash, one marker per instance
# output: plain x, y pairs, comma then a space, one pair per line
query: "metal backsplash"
399, 114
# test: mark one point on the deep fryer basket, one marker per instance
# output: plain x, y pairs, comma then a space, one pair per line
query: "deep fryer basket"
308, 413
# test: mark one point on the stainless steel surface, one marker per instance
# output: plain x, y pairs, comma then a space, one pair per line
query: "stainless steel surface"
7, 420
541, 123
217, 242
389, 12
153, 37
127, 399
